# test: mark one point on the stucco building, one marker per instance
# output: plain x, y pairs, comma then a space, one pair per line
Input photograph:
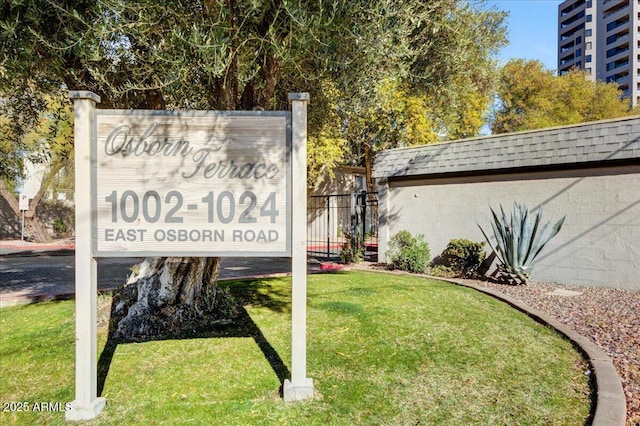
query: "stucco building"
588, 172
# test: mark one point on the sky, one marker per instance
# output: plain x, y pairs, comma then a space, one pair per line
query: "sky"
532, 30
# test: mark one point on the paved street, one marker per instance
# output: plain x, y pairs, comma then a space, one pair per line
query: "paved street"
54, 274
33, 274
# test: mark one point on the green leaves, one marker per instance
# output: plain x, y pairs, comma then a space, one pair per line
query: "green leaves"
402, 72
532, 97
519, 239
409, 253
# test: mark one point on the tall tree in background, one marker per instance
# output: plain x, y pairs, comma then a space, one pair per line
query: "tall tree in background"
381, 73
47, 141
431, 76
532, 97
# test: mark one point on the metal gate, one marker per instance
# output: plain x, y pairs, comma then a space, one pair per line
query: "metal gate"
334, 220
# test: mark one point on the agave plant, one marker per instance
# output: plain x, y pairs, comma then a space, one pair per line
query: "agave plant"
519, 240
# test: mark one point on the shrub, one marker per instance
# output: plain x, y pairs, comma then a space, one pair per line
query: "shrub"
519, 240
463, 257
409, 253
350, 253
60, 227
442, 271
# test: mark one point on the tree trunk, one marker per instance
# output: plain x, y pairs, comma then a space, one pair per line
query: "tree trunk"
178, 296
34, 227
170, 297
369, 158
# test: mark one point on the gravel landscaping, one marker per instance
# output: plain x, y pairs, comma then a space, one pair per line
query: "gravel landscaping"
609, 317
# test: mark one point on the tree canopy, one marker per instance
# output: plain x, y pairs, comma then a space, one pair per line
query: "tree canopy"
431, 80
381, 73
532, 97
47, 141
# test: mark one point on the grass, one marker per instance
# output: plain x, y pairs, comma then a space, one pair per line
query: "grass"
382, 349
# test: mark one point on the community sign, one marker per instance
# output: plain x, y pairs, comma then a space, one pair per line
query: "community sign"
195, 183
186, 183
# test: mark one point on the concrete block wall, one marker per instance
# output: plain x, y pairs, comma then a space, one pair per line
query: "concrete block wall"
599, 244
49, 212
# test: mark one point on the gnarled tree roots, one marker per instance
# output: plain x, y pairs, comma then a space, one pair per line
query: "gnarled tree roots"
170, 297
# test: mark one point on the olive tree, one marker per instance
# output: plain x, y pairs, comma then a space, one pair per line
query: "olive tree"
358, 59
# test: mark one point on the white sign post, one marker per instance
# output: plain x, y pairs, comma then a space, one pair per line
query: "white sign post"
187, 183
23, 205
87, 405
300, 386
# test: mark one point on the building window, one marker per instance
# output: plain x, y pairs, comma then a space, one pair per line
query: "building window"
589, 18
578, 40
572, 20
588, 45
567, 59
617, 23
587, 33
572, 7
567, 46
578, 52
588, 70
617, 64
616, 50
587, 58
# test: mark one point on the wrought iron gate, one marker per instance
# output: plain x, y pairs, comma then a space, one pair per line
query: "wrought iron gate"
334, 219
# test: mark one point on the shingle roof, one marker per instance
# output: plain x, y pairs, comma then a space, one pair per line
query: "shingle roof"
617, 139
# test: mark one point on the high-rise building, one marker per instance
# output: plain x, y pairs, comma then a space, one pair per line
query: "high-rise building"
602, 37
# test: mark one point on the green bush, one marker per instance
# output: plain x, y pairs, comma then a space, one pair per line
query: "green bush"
463, 257
409, 253
351, 254
60, 227
519, 238
442, 271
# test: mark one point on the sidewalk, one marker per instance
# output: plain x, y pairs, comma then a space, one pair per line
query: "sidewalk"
26, 248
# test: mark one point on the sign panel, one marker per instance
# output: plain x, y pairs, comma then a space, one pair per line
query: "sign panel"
23, 202
191, 183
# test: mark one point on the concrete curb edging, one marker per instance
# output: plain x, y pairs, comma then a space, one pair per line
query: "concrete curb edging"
611, 404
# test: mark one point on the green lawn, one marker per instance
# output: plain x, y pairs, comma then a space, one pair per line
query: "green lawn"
382, 349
